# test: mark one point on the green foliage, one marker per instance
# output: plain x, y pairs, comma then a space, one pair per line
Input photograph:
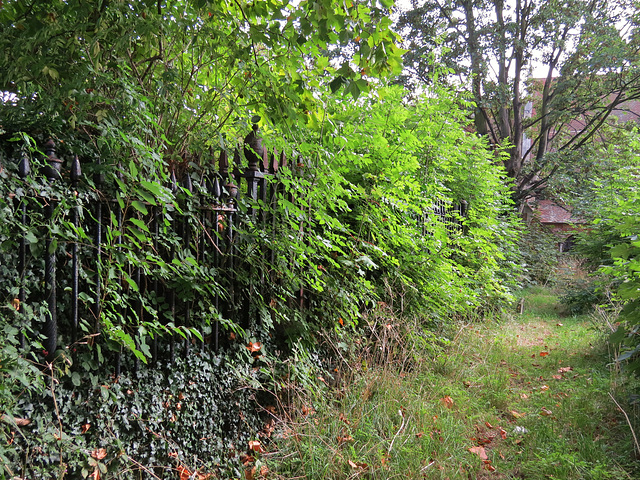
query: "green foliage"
198, 413
143, 94
615, 211
539, 253
402, 160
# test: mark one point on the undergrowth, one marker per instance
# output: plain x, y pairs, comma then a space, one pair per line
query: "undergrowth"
531, 396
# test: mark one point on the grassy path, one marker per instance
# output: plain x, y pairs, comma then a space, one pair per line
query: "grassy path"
528, 398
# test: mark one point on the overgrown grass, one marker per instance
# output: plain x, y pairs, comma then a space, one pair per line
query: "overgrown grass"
533, 391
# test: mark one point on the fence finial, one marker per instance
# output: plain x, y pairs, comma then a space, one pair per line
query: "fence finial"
253, 149
54, 164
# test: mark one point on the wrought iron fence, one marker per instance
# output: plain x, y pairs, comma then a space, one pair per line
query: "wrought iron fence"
73, 269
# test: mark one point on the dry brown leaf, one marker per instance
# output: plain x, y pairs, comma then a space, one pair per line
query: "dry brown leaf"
544, 387
557, 377
256, 446
358, 465
544, 354
447, 401
564, 369
249, 473
479, 451
545, 412
516, 414
254, 347
99, 453
345, 439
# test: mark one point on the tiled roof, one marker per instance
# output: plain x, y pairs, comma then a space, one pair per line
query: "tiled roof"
550, 212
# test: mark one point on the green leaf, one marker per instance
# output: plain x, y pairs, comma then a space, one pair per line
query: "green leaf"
139, 206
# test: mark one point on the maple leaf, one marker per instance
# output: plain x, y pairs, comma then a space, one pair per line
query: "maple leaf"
480, 452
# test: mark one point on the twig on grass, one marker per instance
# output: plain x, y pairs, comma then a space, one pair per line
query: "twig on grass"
635, 439
398, 432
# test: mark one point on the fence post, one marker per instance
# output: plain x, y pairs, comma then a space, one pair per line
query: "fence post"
172, 291
24, 169
52, 172
121, 307
98, 178
254, 153
187, 184
75, 174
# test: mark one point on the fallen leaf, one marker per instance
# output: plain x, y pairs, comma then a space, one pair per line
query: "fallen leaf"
564, 369
488, 466
544, 354
447, 401
516, 414
358, 465
557, 377
488, 425
99, 453
256, 446
545, 412
524, 396
479, 451
307, 410
254, 347
345, 439
184, 472
249, 473
559, 325
544, 387
503, 433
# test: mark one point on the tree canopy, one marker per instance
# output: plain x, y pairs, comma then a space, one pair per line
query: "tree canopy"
182, 69
587, 52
